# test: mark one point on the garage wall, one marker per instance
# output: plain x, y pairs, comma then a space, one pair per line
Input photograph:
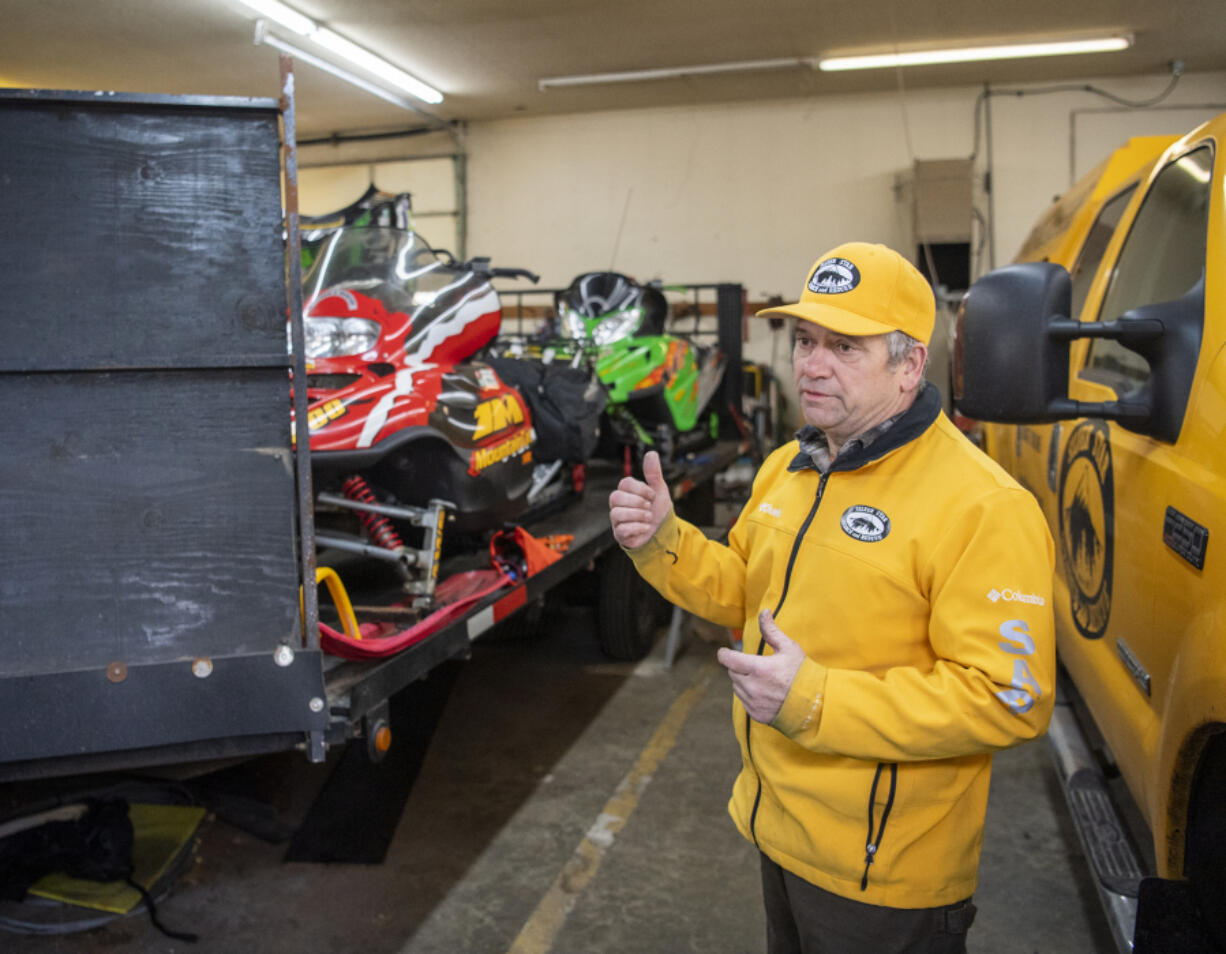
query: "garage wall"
754, 192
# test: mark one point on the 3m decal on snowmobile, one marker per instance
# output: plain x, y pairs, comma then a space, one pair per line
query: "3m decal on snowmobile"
497, 415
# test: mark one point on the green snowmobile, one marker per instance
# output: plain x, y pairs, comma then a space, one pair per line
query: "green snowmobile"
660, 385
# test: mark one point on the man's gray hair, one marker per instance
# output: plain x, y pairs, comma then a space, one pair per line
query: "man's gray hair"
901, 344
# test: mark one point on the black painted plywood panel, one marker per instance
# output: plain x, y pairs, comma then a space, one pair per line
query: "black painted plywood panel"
147, 489
148, 516
140, 236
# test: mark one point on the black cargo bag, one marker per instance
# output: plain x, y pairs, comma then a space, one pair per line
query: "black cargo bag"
566, 404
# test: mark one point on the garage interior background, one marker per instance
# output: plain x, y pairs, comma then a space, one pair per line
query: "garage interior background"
743, 177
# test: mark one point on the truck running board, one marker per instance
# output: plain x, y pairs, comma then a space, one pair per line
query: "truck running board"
1117, 871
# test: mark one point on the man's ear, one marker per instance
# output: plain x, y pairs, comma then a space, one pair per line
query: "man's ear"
911, 368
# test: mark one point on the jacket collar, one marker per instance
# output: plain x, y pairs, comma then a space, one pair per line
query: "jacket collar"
911, 424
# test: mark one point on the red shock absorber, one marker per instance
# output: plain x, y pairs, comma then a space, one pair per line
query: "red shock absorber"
378, 526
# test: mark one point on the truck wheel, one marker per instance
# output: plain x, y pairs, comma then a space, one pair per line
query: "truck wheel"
628, 610
1205, 852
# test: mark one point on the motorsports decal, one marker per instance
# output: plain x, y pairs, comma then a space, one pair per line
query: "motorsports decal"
1087, 525
325, 413
487, 456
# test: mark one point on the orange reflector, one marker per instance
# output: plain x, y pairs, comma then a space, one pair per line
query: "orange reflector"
383, 739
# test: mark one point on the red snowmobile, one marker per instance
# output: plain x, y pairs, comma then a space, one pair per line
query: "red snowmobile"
410, 431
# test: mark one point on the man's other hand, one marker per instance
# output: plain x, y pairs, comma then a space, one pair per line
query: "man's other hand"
637, 509
762, 682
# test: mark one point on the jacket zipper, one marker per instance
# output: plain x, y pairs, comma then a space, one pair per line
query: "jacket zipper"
787, 579
872, 844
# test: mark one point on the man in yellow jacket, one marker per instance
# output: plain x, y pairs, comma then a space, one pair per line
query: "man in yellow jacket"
893, 585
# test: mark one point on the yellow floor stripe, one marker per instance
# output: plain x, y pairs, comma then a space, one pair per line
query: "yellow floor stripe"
538, 933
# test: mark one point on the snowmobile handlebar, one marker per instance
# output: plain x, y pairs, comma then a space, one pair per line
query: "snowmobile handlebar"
482, 266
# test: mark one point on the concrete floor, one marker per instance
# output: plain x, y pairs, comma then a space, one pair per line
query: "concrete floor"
573, 806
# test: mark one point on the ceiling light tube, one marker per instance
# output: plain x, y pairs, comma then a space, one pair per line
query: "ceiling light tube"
676, 72
279, 13
374, 64
296, 22
973, 54
297, 52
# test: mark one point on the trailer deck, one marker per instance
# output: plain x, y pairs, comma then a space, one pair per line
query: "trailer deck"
357, 687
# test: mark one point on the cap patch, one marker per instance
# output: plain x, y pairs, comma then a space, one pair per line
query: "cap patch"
834, 276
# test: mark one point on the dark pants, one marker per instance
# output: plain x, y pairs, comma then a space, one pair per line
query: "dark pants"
801, 918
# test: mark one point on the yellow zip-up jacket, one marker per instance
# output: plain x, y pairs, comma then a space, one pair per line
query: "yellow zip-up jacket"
917, 577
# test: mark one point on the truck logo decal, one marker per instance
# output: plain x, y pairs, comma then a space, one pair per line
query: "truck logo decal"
834, 276
1087, 525
866, 524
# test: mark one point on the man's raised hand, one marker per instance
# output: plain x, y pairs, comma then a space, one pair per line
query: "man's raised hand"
637, 509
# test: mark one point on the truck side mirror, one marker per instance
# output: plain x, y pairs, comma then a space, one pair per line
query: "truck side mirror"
1007, 367
1011, 356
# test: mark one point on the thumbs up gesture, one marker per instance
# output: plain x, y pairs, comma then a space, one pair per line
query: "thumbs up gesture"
637, 509
762, 682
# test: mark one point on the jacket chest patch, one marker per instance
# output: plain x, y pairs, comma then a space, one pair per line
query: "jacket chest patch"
866, 524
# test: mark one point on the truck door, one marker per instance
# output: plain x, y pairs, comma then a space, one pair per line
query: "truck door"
1037, 447
1114, 486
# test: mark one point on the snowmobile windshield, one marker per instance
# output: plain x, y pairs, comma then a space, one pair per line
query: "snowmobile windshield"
602, 306
394, 266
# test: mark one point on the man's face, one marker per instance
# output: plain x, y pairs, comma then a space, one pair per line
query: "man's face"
845, 383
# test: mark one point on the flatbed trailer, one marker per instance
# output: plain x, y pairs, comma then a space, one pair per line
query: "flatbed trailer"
158, 520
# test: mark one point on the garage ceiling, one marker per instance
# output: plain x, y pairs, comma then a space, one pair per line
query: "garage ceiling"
487, 55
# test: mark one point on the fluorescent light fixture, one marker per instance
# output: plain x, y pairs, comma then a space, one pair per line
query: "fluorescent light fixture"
296, 22
300, 54
279, 13
377, 66
676, 72
971, 54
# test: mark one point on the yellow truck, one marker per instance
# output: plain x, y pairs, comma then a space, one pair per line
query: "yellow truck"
1097, 364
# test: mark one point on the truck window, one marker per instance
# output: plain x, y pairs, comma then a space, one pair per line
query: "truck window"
1162, 258
1097, 239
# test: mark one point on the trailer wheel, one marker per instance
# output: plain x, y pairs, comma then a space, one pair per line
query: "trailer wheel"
698, 506
1205, 852
628, 609
524, 626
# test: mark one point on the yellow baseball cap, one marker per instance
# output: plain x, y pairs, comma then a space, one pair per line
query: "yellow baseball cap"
864, 289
